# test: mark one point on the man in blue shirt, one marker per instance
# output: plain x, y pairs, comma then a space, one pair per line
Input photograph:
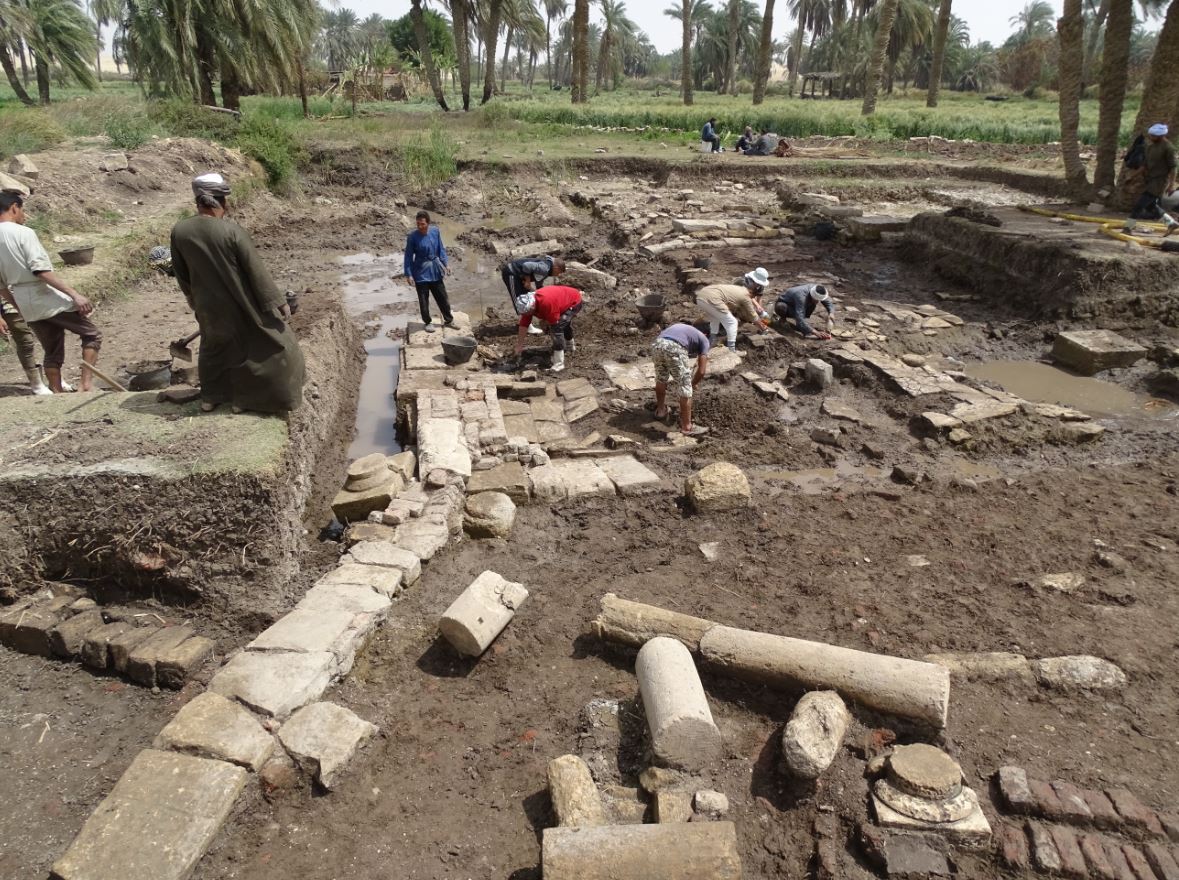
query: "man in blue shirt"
671, 351
709, 135
425, 265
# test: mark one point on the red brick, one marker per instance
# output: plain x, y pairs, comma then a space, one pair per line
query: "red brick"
1013, 786
1102, 808
1133, 812
1073, 803
1094, 851
1044, 853
1161, 860
1072, 863
1138, 863
1013, 845
1048, 805
1117, 860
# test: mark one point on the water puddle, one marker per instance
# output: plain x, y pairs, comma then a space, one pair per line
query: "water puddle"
376, 410
813, 481
1043, 383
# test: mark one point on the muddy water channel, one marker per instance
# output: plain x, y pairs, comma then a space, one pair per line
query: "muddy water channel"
1044, 383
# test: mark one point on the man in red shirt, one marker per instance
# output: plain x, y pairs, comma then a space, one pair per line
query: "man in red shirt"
556, 306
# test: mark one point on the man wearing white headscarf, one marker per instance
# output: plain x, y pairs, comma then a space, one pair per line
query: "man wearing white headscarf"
1158, 172
249, 357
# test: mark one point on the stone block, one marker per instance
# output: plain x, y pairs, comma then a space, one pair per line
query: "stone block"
973, 830
673, 806
584, 477
1044, 854
936, 421
141, 666
814, 734
481, 612
1072, 803
1048, 805
323, 738
157, 822
629, 475
353, 598
26, 627
574, 795
1138, 863
547, 484
1096, 859
1072, 862
369, 531
311, 632
423, 538
1134, 813
404, 463
1081, 672
176, 665
442, 445
210, 726
873, 226
575, 389
587, 278
22, 166
96, 645
275, 682
351, 506
579, 409
1013, 845
1117, 860
1102, 808
1091, 351
11, 184
386, 581
683, 733
819, 373
122, 644
385, 555
66, 639
711, 804
696, 851
719, 486
489, 515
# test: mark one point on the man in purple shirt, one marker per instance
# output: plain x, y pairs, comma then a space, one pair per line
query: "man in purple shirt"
671, 351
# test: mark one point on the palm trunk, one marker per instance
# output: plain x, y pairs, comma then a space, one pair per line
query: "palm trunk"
686, 53
1091, 44
25, 75
423, 41
731, 60
462, 48
1071, 31
939, 53
794, 70
490, 38
303, 87
764, 50
580, 51
888, 15
13, 80
1115, 59
231, 89
1160, 95
503, 68
548, 49
98, 50
41, 67
205, 61
603, 59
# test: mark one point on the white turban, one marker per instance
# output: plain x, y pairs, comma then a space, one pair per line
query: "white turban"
212, 184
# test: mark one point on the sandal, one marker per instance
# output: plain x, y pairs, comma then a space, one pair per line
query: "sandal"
695, 431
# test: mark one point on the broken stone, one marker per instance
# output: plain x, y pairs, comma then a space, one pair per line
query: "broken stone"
305, 631
579, 409
27, 626
630, 477
710, 550
1081, 432
275, 683
508, 478
819, 373
939, 421
1091, 351
323, 738
1081, 671
369, 531
96, 645
349, 506
673, 806
995, 666
423, 537
838, 410
385, 581
585, 277
913, 360
404, 463
489, 515
22, 166
384, 555
712, 804
907, 474
574, 795
827, 437
814, 734
719, 486
656, 779
958, 436
210, 726
1065, 582
113, 162
481, 612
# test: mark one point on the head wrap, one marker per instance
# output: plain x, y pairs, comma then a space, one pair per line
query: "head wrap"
1158, 130
819, 292
212, 184
526, 303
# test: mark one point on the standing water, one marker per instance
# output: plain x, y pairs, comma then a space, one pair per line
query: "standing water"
1044, 383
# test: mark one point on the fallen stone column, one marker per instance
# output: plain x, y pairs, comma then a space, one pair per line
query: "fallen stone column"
683, 733
907, 688
476, 617
652, 250
683, 851
575, 797
633, 623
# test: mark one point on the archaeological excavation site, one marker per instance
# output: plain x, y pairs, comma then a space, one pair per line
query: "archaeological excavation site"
896, 599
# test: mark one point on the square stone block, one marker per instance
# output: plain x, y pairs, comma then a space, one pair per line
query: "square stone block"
1091, 351
211, 726
275, 682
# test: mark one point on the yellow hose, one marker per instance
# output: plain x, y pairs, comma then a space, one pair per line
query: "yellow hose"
1111, 228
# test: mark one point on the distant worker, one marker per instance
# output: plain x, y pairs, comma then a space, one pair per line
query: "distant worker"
426, 266
670, 352
725, 305
799, 303
1158, 172
708, 135
765, 144
249, 357
556, 306
746, 140
29, 287
527, 274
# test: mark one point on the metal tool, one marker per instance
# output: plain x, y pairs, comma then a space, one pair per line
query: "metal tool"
180, 350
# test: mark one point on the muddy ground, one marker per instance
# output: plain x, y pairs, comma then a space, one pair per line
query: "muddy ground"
454, 785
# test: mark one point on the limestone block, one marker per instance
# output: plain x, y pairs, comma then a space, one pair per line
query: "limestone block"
369, 531
96, 645
1079, 672
695, 851
629, 475
441, 445
210, 726
819, 373
353, 598
11, 184
404, 463
575, 389
141, 666
575, 797
274, 682
122, 644
585, 277
311, 632
673, 806
113, 162
584, 477
349, 506
158, 820
174, 666
323, 738
489, 515
871, 227
683, 733
66, 639
385, 555
1091, 351
579, 409
814, 734
26, 627
719, 486
712, 804
386, 581
423, 538
481, 612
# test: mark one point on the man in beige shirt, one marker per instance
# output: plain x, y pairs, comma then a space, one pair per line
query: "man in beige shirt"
726, 305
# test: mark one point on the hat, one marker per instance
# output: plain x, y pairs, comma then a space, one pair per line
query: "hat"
758, 276
819, 292
526, 303
1158, 130
212, 183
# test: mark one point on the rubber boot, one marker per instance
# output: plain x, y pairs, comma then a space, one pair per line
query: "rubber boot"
37, 381
558, 361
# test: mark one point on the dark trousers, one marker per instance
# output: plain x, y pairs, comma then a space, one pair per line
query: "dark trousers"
563, 330
1148, 207
515, 286
716, 143
438, 288
51, 334
792, 308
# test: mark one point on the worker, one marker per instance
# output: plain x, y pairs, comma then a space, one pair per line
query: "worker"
556, 306
29, 286
426, 265
527, 274
249, 357
670, 351
1158, 172
765, 144
746, 140
14, 328
727, 304
799, 303
708, 135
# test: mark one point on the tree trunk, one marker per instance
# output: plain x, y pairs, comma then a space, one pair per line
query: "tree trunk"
603, 59
503, 68
1160, 95
888, 15
548, 50
581, 51
231, 89
1115, 59
1071, 31
490, 38
462, 48
98, 50
794, 69
25, 74
1091, 44
764, 51
205, 60
686, 53
42, 70
423, 41
13, 80
731, 60
939, 53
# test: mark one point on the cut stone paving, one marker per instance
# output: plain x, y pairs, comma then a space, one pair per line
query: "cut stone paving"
275, 682
323, 737
211, 726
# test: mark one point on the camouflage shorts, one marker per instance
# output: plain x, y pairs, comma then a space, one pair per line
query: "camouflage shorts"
672, 367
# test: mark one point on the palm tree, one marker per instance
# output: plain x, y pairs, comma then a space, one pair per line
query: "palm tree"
1160, 95
685, 14
1071, 29
1114, 58
14, 21
734, 23
1033, 21
423, 40
615, 29
581, 52
490, 37
1095, 27
813, 16
553, 9
764, 50
59, 32
939, 52
341, 38
888, 14
460, 17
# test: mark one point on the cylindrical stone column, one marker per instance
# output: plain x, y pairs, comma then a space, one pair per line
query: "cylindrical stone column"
682, 851
476, 617
633, 623
575, 796
683, 733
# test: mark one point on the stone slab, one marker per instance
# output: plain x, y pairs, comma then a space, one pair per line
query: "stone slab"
629, 475
26, 628
323, 737
66, 639
575, 389
354, 598
96, 645
441, 444
423, 538
385, 555
1091, 351
275, 682
211, 726
972, 830
508, 478
157, 822
351, 506
579, 409
310, 632
174, 666
386, 581
121, 645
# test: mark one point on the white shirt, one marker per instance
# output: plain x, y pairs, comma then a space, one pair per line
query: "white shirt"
21, 254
